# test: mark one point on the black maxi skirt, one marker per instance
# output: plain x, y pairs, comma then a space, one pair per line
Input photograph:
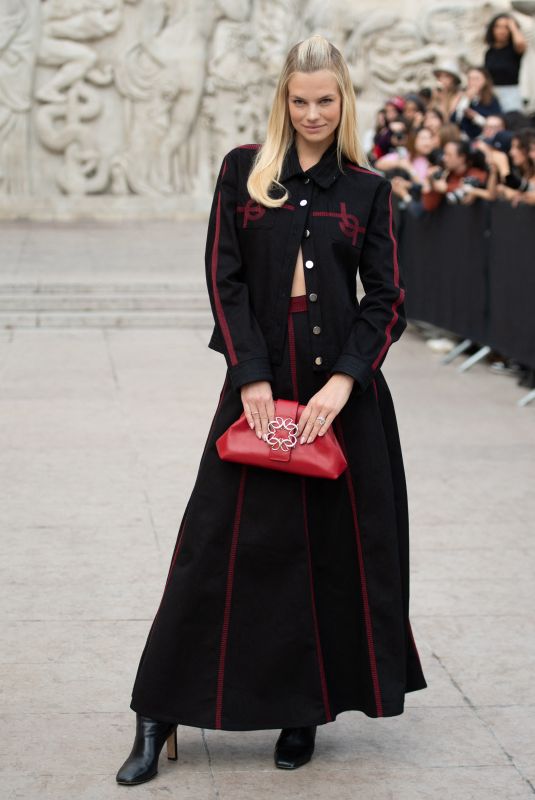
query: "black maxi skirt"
287, 597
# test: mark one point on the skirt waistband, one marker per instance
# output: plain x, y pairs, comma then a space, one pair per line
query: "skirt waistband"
298, 303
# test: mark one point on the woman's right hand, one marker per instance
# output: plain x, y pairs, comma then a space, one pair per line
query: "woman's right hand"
258, 405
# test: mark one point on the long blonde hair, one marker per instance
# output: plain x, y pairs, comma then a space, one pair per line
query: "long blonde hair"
310, 55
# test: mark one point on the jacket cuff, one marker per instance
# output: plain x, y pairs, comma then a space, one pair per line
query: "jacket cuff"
253, 369
358, 370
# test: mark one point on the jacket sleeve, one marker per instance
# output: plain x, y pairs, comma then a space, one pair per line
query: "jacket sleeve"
381, 318
236, 326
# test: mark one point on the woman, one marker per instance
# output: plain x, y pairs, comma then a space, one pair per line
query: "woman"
447, 91
517, 185
415, 160
476, 103
287, 597
506, 45
388, 118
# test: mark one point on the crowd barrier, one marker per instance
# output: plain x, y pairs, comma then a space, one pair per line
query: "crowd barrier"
471, 270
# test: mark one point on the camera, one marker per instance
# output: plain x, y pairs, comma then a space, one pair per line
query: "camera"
456, 195
437, 175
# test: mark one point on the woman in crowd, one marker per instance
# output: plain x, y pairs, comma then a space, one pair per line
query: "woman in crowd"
475, 103
447, 91
414, 158
414, 111
518, 186
506, 46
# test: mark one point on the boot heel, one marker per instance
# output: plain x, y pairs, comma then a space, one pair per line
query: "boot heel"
172, 746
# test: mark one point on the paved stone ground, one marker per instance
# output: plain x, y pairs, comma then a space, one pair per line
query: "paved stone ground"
98, 455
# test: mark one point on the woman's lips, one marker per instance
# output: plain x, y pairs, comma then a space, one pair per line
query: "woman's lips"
313, 127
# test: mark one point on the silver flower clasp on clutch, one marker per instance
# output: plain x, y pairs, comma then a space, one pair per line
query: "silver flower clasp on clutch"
276, 442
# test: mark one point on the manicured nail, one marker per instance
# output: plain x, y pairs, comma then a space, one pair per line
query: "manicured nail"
302, 440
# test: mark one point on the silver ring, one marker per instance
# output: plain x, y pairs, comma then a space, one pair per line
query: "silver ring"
321, 420
255, 412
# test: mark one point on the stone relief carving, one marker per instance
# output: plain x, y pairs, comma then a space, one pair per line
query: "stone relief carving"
19, 26
70, 98
134, 97
162, 79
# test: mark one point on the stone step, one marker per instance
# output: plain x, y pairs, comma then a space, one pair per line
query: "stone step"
103, 288
95, 302
185, 318
143, 304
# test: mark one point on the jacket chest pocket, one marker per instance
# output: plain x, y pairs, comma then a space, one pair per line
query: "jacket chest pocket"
340, 224
252, 216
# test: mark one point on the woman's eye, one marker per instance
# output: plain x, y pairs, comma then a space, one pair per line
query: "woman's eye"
325, 100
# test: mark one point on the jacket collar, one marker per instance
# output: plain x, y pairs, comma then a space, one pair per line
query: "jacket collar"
324, 172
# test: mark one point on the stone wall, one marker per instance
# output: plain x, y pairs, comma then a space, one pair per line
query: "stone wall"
113, 108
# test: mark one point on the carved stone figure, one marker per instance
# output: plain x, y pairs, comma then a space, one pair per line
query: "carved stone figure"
18, 40
162, 79
70, 102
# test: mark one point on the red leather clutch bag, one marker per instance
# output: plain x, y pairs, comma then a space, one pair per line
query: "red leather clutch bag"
322, 458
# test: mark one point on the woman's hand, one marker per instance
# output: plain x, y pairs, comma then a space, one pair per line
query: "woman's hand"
328, 402
258, 405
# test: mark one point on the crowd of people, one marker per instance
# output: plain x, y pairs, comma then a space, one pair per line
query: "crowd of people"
466, 137
463, 138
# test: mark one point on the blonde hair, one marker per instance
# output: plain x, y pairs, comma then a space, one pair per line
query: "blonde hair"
312, 54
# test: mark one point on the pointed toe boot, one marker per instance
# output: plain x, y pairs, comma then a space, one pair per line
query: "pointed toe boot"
295, 746
142, 763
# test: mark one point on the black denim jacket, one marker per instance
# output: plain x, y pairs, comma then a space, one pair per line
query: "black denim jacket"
343, 221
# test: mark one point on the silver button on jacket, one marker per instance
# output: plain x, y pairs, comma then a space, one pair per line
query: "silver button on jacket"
342, 218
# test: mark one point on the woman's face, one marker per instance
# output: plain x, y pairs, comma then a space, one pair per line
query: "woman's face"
315, 105
518, 157
391, 112
447, 81
410, 110
500, 30
432, 122
423, 143
475, 81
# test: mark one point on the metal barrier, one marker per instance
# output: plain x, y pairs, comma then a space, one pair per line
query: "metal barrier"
471, 271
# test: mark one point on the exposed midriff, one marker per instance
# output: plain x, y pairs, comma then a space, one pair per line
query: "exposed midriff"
298, 284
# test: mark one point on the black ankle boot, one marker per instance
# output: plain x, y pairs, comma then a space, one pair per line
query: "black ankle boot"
295, 746
142, 763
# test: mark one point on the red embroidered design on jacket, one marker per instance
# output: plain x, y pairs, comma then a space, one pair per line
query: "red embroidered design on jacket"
349, 224
251, 211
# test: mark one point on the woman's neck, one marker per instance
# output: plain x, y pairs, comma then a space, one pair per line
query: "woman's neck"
309, 154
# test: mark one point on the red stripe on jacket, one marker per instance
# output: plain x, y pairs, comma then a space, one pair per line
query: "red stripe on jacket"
401, 295
225, 330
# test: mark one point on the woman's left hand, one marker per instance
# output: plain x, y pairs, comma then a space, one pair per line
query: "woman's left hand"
328, 402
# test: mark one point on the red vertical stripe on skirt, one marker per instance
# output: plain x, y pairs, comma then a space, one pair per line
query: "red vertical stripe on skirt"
228, 598
364, 589
321, 667
180, 534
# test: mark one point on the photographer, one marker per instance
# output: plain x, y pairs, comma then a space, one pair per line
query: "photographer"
459, 180
408, 170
